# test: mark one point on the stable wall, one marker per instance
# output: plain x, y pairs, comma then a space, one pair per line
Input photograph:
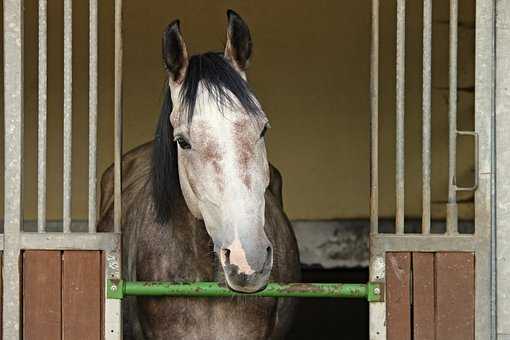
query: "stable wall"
310, 70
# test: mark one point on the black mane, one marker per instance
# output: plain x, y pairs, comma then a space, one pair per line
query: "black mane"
220, 80
227, 87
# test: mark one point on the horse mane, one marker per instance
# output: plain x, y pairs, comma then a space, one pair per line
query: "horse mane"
223, 83
166, 189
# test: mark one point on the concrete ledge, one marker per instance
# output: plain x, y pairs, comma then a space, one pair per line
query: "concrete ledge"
344, 243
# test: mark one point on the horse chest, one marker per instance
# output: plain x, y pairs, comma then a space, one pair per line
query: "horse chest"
192, 318
174, 258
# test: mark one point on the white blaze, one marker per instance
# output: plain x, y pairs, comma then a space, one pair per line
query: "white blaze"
238, 257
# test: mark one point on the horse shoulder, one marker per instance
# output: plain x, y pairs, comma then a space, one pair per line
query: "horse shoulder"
136, 165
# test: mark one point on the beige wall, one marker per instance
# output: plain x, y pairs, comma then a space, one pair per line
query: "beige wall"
310, 71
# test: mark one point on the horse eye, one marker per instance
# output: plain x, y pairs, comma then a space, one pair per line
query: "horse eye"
183, 143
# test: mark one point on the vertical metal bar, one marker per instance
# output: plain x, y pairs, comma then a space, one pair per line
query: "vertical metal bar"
42, 114
68, 111
374, 120
426, 115
400, 106
92, 115
451, 213
118, 117
377, 313
13, 209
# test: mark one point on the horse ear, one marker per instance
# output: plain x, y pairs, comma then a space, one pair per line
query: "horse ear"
175, 56
239, 45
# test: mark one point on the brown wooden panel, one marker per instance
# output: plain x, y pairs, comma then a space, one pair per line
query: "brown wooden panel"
455, 296
423, 296
42, 273
81, 295
398, 307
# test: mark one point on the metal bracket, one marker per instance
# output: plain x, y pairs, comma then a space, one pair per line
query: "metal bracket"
477, 163
115, 289
375, 292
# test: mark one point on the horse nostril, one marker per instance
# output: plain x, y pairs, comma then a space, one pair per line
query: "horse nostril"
226, 254
269, 254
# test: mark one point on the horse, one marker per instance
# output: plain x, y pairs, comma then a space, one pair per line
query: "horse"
201, 202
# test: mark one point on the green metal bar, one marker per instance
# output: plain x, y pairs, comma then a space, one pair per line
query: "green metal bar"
370, 291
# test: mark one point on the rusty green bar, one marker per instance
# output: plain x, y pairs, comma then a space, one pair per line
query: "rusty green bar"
370, 291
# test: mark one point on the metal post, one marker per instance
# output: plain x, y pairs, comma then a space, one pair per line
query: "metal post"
451, 213
13, 210
68, 112
400, 105
485, 127
501, 265
426, 115
112, 308
370, 291
377, 310
374, 120
42, 114
118, 118
92, 115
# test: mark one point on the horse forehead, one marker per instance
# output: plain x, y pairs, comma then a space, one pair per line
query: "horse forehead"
219, 126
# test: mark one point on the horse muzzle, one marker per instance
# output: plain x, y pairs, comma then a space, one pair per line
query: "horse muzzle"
247, 276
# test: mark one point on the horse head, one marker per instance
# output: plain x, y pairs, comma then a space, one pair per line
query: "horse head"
218, 127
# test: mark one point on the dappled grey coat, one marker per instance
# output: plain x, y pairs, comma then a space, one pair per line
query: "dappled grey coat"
182, 251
